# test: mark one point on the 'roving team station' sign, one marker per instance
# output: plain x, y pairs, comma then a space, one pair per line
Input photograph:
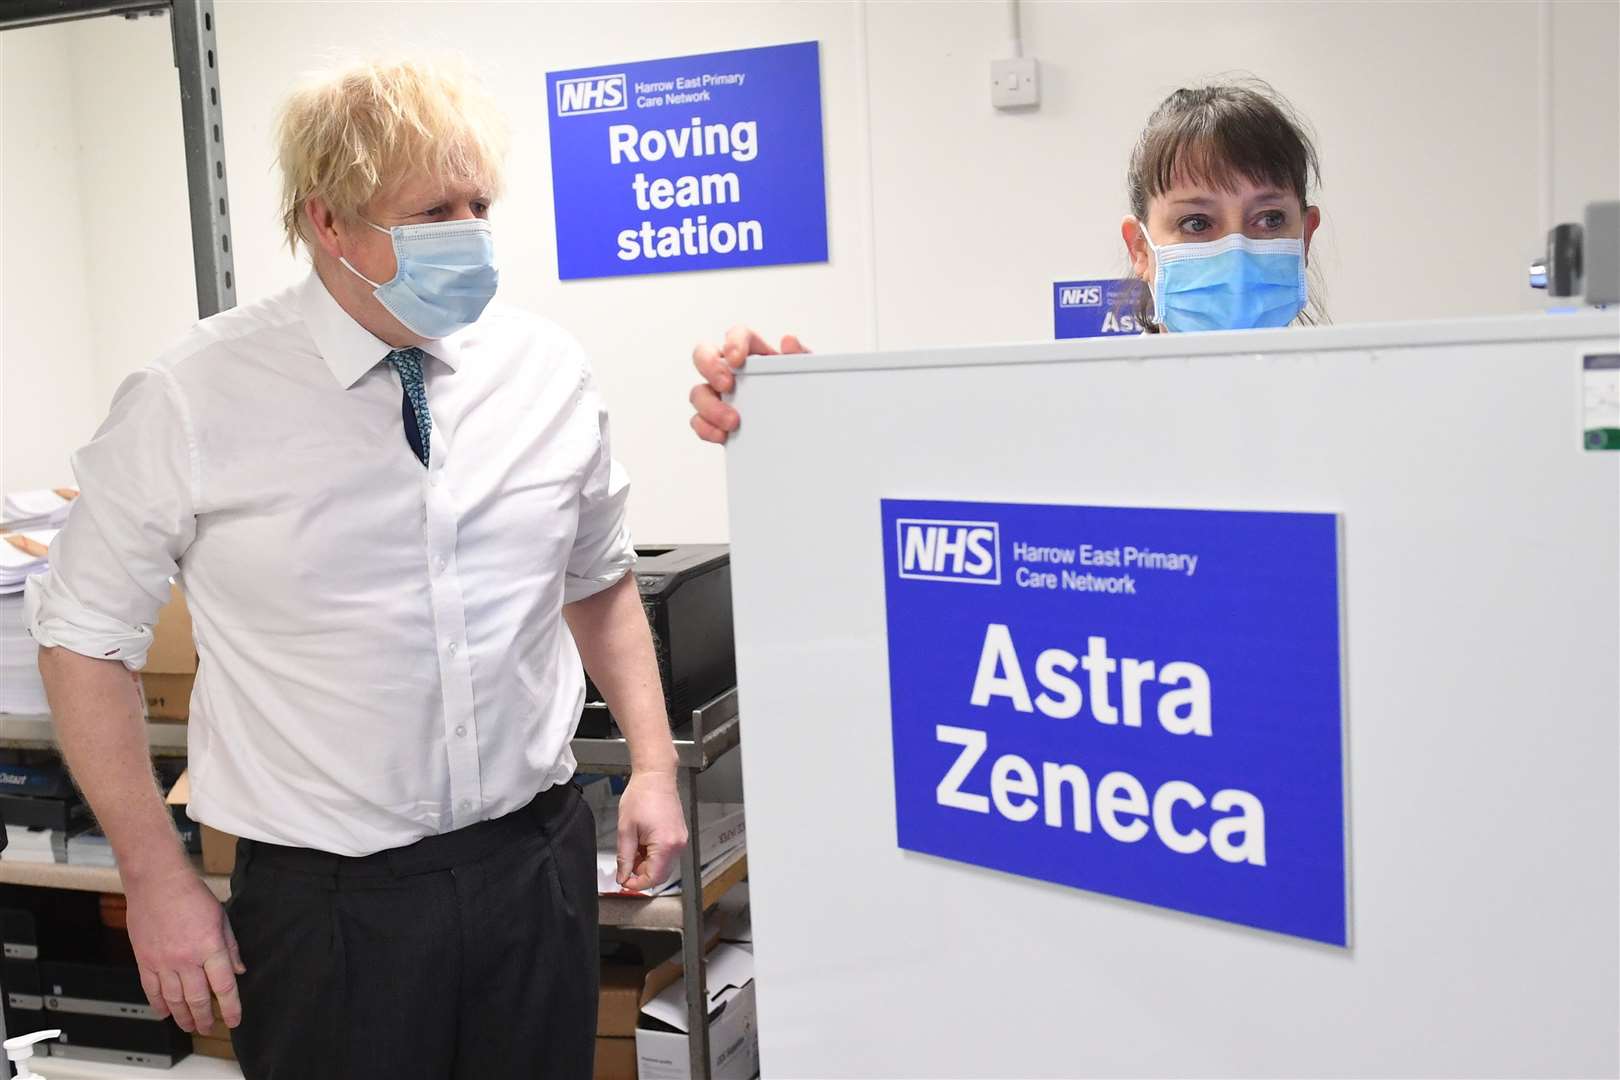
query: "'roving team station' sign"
692, 163
1140, 702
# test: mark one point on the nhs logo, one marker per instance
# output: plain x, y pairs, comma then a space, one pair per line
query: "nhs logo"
591, 94
1080, 296
963, 551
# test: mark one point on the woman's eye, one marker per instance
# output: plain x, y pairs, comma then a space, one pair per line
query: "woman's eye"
1195, 223
434, 211
1273, 219
480, 208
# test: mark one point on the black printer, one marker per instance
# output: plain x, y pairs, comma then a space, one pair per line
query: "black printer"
686, 591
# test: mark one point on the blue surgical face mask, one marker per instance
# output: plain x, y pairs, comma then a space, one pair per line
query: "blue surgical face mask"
1233, 283
446, 275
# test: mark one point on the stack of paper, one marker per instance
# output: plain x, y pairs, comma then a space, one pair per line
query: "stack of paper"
90, 848
45, 509
34, 845
21, 689
23, 554
722, 833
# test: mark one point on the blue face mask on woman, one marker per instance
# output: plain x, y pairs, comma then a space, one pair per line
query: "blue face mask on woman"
446, 275
1233, 283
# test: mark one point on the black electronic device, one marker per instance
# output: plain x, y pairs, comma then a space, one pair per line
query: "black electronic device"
686, 592
64, 967
24, 1004
104, 1015
20, 933
151, 1044
68, 815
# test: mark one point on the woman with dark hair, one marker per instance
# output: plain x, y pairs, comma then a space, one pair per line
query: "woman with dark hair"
1221, 219
1219, 230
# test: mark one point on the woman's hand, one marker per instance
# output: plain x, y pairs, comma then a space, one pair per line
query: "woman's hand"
713, 419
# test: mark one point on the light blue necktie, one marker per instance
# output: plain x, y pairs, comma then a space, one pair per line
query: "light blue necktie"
414, 407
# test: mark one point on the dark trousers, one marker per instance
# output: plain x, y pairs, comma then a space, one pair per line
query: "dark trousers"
466, 956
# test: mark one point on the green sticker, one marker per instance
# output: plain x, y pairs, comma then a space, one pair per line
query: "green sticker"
1600, 389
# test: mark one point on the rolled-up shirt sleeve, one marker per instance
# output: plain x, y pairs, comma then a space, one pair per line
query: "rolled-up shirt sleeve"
603, 552
135, 516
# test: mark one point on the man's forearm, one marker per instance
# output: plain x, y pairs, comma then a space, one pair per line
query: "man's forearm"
100, 726
615, 642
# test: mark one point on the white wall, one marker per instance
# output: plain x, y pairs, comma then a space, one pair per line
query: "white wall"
949, 230
1426, 117
48, 399
135, 210
1584, 90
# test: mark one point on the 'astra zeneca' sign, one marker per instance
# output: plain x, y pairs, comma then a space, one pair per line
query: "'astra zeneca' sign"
1140, 702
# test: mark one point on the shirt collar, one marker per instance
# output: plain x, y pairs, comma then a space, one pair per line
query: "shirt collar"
349, 349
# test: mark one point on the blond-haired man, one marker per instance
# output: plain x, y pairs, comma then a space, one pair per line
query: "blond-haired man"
400, 527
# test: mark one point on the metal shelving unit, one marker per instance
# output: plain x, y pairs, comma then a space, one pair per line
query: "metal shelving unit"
96, 879
713, 730
22, 732
195, 1067
699, 743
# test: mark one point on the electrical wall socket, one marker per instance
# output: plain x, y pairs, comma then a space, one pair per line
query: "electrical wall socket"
1015, 84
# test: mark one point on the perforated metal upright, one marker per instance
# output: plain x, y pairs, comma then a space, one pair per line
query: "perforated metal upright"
196, 60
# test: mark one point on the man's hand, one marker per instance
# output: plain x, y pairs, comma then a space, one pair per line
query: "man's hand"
714, 420
186, 951
652, 830
615, 642
184, 948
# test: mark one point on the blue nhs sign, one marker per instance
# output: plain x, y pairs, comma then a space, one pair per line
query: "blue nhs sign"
1141, 702
1101, 308
706, 162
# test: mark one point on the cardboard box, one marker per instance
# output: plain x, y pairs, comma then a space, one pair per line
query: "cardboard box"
174, 649
171, 663
625, 987
618, 1010
218, 848
217, 1043
168, 697
211, 1046
615, 1059
661, 1041
734, 915
218, 851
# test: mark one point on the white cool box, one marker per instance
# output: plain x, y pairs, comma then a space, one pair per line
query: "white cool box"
1237, 703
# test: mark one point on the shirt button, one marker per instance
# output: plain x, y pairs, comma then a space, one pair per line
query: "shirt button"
461, 731
454, 648
433, 479
440, 563
466, 804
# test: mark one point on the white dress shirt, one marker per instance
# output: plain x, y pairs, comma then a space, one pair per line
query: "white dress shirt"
382, 650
